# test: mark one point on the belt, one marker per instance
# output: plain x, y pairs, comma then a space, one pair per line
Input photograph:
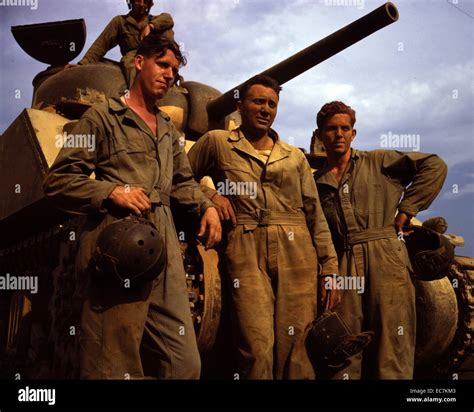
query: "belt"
352, 243
376, 233
158, 197
265, 217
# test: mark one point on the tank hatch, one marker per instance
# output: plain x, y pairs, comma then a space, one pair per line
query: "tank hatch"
54, 43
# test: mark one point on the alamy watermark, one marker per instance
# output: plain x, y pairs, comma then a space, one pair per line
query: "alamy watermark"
10, 282
345, 283
32, 4
400, 141
81, 141
229, 188
37, 395
359, 4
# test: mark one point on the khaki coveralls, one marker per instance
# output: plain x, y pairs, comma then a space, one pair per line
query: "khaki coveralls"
125, 332
125, 31
271, 258
360, 211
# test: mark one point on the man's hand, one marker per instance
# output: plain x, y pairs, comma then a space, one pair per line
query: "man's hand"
146, 31
68, 66
402, 220
329, 295
210, 228
133, 198
224, 208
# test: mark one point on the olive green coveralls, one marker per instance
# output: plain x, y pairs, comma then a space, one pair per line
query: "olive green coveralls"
272, 254
128, 333
125, 31
360, 211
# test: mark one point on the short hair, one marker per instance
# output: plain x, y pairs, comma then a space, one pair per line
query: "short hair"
263, 80
332, 108
158, 44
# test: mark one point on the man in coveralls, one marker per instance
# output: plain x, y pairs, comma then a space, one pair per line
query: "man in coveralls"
360, 194
127, 32
278, 237
139, 163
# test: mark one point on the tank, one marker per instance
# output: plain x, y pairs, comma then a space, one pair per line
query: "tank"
37, 330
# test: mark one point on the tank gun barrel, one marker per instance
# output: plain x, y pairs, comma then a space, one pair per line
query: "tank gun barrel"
312, 55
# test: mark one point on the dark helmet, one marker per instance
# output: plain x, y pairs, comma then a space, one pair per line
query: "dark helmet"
130, 248
330, 343
431, 254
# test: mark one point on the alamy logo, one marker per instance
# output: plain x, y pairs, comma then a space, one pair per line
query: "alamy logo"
37, 395
345, 3
345, 283
400, 141
229, 188
32, 4
81, 141
10, 282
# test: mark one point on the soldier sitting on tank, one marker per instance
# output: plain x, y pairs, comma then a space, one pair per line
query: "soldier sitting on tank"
127, 32
279, 234
360, 194
139, 163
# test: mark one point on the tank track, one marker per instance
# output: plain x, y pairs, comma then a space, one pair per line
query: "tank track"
461, 351
46, 344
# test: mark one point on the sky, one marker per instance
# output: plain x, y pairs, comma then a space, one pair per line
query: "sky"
414, 77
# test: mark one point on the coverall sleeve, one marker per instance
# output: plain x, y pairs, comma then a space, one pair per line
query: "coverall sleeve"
425, 172
68, 184
162, 22
316, 221
201, 158
107, 40
184, 188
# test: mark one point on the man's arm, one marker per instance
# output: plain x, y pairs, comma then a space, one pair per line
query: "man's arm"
106, 41
321, 237
425, 172
316, 221
202, 157
68, 184
163, 23
188, 193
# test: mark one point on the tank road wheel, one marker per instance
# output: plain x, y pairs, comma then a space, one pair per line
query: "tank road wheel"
211, 298
437, 319
445, 324
204, 288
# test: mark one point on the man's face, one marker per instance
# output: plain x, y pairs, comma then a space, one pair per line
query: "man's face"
157, 74
139, 7
337, 135
258, 108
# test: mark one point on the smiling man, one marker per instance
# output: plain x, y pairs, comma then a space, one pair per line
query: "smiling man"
360, 194
139, 163
276, 236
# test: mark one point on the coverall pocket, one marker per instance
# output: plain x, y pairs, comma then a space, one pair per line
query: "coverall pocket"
395, 258
369, 199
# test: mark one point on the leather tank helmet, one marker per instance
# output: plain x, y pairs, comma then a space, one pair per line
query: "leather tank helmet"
150, 5
129, 249
431, 253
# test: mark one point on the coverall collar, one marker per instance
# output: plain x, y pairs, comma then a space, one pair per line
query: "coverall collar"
240, 143
324, 177
117, 106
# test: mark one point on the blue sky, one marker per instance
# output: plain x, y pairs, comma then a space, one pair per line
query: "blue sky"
414, 77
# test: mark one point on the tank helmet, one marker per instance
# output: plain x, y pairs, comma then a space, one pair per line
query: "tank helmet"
431, 253
330, 343
129, 248
150, 5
